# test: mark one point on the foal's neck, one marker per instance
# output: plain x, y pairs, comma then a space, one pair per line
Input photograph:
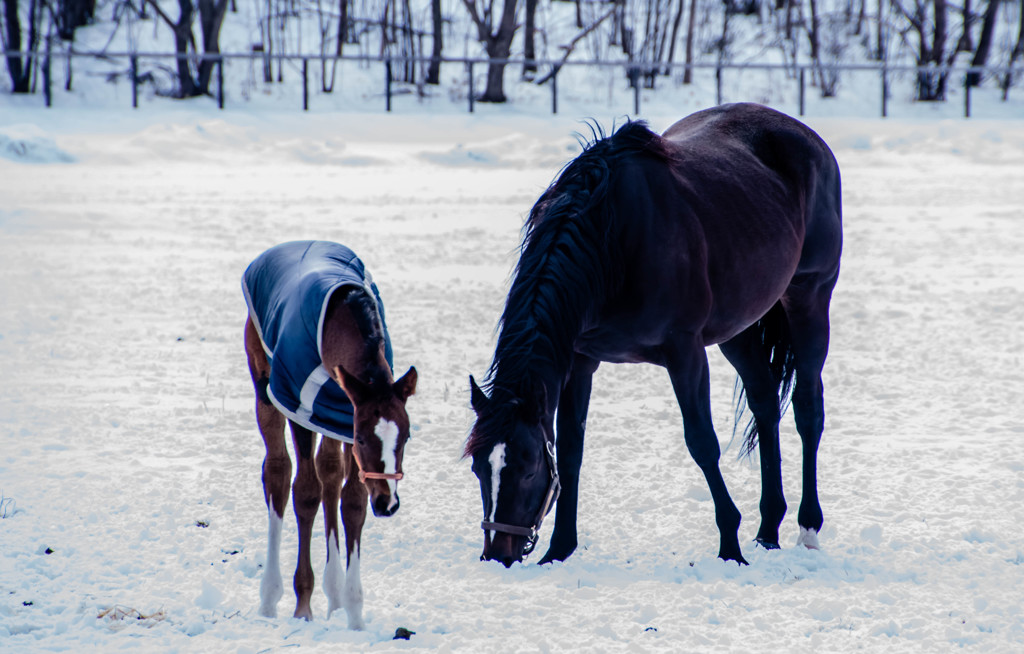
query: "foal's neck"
353, 337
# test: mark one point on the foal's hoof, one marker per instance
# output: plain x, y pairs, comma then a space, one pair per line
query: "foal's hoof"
808, 538
767, 544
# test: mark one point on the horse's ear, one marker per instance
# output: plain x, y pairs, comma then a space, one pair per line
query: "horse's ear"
477, 398
406, 386
356, 390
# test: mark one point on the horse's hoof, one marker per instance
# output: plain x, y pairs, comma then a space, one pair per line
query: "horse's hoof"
767, 544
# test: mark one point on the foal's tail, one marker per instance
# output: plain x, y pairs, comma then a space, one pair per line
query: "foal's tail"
778, 349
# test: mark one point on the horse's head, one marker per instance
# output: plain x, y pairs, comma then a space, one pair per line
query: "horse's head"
380, 430
512, 447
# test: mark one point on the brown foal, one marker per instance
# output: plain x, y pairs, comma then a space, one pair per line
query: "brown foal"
368, 468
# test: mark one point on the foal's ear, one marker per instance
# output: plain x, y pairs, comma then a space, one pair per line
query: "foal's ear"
477, 398
406, 386
356, 390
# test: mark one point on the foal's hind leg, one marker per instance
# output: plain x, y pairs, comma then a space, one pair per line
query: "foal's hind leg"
746, 354
809, 327
277, 470
353, 514
306, 503
331, 472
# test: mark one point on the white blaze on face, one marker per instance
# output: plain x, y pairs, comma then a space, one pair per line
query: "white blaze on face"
497, 461
387, 432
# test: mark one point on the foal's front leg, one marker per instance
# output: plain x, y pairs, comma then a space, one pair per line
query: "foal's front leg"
306, 502
331, 472
353, 515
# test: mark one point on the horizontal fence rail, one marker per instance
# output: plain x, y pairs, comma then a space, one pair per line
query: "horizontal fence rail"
632, 70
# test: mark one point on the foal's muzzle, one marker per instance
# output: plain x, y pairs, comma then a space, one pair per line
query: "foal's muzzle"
383, 505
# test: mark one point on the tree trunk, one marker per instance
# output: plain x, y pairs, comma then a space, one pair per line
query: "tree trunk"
691, 21
343, 25
988, 26
211, 17
1018, 52
529, 44
182, 32
437, 20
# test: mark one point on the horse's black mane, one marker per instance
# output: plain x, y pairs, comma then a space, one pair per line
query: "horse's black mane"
567, 265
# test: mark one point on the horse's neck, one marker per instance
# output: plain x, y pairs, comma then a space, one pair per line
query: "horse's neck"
354, 340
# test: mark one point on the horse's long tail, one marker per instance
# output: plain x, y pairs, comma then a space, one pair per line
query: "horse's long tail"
778, 349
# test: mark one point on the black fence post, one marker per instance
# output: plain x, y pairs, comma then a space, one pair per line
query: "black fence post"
472, 92
802, 90
387, 82
220, 82
134, 71
305, 84
636, 92
967, 95
47, 91
885, 94
554, 93
718, 85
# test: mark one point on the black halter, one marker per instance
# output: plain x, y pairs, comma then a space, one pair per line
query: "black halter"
554, 488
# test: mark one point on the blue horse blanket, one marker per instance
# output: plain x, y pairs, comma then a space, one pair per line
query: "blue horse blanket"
287, 289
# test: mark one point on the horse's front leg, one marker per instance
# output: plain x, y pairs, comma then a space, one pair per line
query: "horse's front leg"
306, 501
572, 423
687, 364
353, 515
331, 472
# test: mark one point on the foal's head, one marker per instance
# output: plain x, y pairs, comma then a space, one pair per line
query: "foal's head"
380, 429
512, 447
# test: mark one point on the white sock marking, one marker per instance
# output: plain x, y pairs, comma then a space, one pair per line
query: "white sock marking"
334, 575
808, 538
354, 593
387, 432
497, 461
271, 586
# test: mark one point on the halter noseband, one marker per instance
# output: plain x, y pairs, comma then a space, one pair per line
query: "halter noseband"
395, 476
554, 489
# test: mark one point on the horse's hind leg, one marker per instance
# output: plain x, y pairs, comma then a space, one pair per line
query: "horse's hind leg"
331, 472
306, 502
277, 470
353, 515
809, 328
687, 365
747, 355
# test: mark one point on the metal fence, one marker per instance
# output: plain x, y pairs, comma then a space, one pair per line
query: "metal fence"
632, 70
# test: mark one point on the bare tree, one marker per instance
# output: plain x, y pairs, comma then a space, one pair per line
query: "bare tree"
497, 43
211, 17
928, 21
19, 66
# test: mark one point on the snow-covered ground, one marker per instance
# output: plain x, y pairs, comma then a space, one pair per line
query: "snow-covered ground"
130, 459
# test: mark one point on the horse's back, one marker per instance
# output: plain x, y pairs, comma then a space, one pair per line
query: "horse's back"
759, 144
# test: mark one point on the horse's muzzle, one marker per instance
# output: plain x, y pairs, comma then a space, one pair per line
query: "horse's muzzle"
504, 548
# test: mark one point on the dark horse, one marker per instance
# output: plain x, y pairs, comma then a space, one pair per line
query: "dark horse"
320, 357
724, 230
